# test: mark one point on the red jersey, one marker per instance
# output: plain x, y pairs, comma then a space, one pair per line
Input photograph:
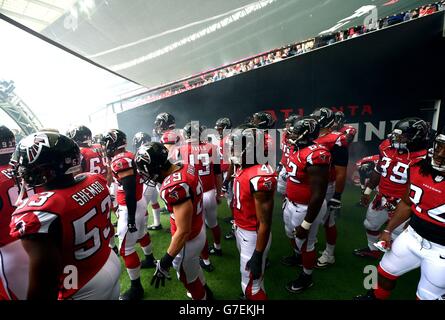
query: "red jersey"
362, 161
285, 147
329, 141
82, 214
298, 189
203, 157
93, 161
248, 181
122, 162
170, 137
427, 194
9, 193
181, 186
348, 130
393, 168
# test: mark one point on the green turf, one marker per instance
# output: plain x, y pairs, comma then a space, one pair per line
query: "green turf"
341, 281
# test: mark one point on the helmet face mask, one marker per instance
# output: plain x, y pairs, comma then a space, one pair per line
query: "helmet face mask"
303, 131
339, 120
437, 153
398, 140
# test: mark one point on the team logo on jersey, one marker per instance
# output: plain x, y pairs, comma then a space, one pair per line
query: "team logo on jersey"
323, 156
34, 145
174, 195
267, 184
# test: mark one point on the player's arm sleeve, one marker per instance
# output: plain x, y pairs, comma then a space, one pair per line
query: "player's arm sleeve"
217, 168
129, 185
31, 222
176, 194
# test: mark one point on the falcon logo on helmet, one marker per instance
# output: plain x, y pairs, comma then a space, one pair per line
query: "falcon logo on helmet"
34, 146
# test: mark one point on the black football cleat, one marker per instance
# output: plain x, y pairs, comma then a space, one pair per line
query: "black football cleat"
367, 296
303, 282
230, 235
214, 251
207, 267
136, 292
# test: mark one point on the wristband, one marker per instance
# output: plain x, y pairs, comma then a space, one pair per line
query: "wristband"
166, 261
367, 191
306, 225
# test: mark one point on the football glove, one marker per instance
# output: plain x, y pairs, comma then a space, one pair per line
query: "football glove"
255, 265
162, 271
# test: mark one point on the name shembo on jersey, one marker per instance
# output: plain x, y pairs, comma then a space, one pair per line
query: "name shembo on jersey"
83, 196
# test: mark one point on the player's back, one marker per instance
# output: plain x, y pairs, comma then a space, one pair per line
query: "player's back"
120, 163
93, 160
298, 188
248, 180
393, 168
80, 216
203, 157
332, 139
181, 186
8, 196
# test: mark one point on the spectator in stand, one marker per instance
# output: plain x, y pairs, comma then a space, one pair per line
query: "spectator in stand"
441, 6
278, 56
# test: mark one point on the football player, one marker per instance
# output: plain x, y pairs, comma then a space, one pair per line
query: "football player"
285, 150
221, 125
92, 159
65, 229
254, 188
405, 147
305, 206
182, 192
422, 243
205, 158
294, 258
150, 192
337, 144
14, 262
363, 170
340, 126
132, 211
165, 125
